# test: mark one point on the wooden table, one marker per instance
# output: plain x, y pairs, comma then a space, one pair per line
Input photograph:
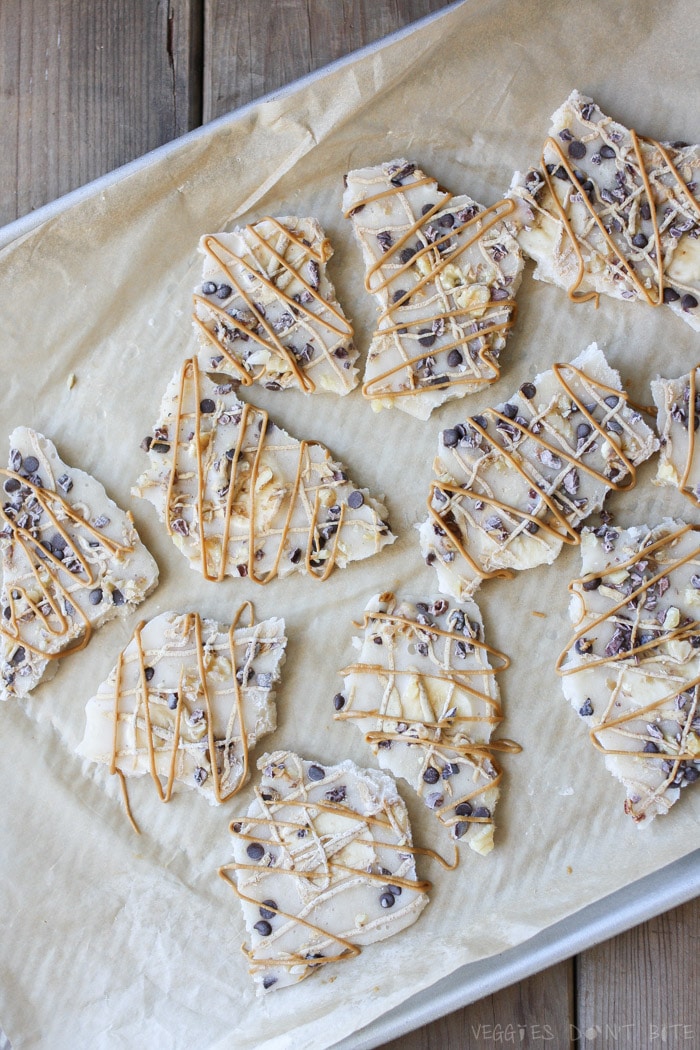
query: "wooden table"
87, 85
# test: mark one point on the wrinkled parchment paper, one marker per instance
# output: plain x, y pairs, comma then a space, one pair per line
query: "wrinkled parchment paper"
112, 941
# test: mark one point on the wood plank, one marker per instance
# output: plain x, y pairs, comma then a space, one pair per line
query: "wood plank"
86, 85
641, 989
270, 44
531, 1014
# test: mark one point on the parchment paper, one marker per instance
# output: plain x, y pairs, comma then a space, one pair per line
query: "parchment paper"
112, 941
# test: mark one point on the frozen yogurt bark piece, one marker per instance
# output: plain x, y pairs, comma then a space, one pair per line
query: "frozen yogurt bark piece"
183, 690
678, 417
610, 212
514, 483
323, 864
632, 668
444, 271
266, 311
70, 560
242, 498
424, 693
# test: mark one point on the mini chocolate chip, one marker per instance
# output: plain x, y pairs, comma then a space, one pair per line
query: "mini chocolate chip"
463, 809
387, 900
18, 656
12, 485
460, 829
208, 288
509, 411
528, 390
688, 302
582, 431
640, 240
607, 152
265, 912
355, 499
651, 748
207, 406
431, 775
339, 701
398, 294
407, 253
268, 981
450, 437
586, 708
263, 928
117, 597
482, 813
31, 464
96, 596
295, 556
577, 149
316, 773
454, 358
148, 673
255, 851
645, 211
160, 447
611, 400
592, 585
223, 291
671, 295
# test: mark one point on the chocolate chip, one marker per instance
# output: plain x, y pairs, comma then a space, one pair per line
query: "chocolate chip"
117, 597
671, 295
463, 809
460, 829
255, 851
450, 437
651, 748
582, 431
640, 240
18, 656
586, 708
454, 358
148, 673
12, 485
160, 447
265, 912
355, 499
607, 152
592, 585
339, 701
407, 253
387, 899
431, 775
207, 406
509, 411
645, 211
688, 302
223, 291
295, 556
316, 773
482, 813
611, 400
208, 288
268, 981
577, 149
528, 390
96, 596
31, 464
263, 928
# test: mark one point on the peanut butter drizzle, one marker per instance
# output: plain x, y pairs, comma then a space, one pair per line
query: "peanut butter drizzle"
624, 266
681, 633
193, 624
576, 587
304, 466
439, 262
328, 867
52, 586
216, 251
470, 751
561, 529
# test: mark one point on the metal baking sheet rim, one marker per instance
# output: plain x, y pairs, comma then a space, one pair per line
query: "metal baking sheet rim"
629, 906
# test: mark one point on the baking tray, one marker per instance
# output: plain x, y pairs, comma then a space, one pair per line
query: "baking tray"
635, 903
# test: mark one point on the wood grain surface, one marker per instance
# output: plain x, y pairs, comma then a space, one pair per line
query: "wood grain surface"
86, 85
